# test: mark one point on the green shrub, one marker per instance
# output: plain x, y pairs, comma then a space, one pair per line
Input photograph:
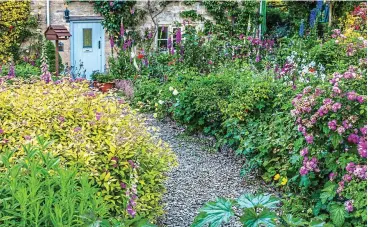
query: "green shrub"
50, 54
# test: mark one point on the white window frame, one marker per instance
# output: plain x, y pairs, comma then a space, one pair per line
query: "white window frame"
171, 34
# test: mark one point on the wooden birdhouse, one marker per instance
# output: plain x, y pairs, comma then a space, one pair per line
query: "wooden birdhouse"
57, 32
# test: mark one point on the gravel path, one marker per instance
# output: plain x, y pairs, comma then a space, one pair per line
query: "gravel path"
202, 175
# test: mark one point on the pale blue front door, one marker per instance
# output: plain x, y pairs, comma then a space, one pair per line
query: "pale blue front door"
87, 46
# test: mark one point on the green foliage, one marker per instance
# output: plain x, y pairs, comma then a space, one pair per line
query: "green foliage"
257, 210
102, 77
191, 14
23, 70
37, 190
115, 12
216, 213
50, 55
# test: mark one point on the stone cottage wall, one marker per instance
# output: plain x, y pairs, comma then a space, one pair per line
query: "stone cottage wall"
77, 8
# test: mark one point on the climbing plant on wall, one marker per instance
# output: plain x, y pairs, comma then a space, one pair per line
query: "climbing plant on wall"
14, 21
115, 12
232, 17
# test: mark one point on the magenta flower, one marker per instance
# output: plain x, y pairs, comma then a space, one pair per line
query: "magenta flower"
363, 130
347, 178
362, 147
304, 152
178, 36
98, 116
340, 130
1, 131
169, 43
122, 185
332, 125
336, 107
349, 205
61, 119
360, 171
131, 210
350, 167
351, 95
360, 99
353, 138
77, 129
309, 138
132, 164
303, 171
332, 176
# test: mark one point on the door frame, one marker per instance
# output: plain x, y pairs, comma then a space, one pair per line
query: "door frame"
102, 40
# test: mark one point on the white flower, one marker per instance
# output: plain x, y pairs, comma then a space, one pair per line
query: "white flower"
360, 38
171, 88
175, 92
160, 102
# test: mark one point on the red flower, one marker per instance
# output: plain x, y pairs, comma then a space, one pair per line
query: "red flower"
312, 70
140, 56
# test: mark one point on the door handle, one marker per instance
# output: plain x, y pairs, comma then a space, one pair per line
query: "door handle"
99, 44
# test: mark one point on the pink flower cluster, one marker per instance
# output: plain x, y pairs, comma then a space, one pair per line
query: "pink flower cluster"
349, 205
359, 171
309, 165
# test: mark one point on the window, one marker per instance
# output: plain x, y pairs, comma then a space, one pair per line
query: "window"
87, 37
162, 37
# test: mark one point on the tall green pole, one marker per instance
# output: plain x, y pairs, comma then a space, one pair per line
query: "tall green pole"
262, 12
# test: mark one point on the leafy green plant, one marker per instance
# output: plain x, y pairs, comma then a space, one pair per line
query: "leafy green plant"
257, 210
102, 77
37, 190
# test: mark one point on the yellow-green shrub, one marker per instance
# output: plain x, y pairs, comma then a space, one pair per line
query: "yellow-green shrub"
68, 113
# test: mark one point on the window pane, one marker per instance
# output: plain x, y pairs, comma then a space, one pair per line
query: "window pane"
162, 32
162, 44
87, 37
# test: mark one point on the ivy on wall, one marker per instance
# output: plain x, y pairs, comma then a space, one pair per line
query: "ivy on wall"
14, 25
232, 17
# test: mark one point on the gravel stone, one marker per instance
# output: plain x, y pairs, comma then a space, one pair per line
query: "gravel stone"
202, 175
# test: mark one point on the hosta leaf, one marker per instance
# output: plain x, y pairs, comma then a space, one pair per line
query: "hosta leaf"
337, 214
291, 221
262, 200
214, 213
252, 219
